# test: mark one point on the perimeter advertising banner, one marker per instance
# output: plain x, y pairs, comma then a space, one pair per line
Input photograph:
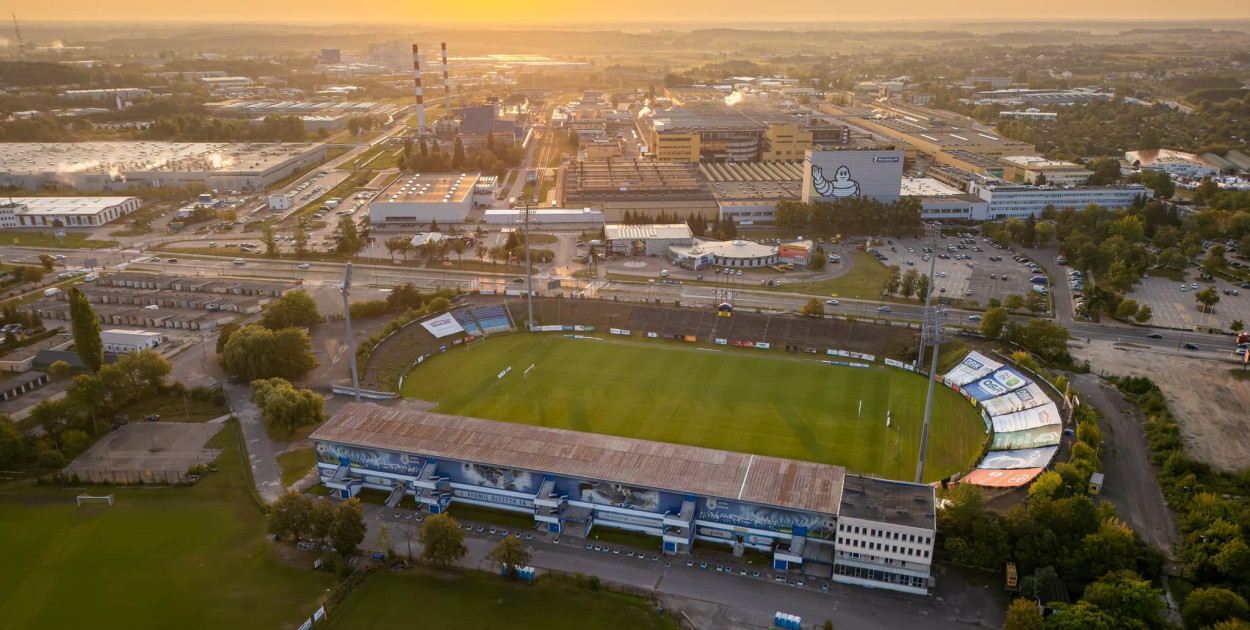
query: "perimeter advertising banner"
1023, 458
1002, 478
1002, 381
1029, 438
1026, 397
868, 173
974, 367
442, 325
1044, 415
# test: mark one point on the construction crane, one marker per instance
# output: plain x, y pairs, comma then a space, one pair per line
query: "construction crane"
18, 32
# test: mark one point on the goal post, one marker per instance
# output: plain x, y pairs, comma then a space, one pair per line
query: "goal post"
528, 370
88, 498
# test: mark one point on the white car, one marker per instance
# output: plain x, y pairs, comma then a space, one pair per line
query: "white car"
831, 302
304, 266
974, 318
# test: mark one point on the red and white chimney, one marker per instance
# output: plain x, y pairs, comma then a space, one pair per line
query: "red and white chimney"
446, 83
416, 79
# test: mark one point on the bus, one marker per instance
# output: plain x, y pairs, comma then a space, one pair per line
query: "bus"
1013, 580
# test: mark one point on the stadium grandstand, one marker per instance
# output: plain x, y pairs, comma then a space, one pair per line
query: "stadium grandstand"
814, 519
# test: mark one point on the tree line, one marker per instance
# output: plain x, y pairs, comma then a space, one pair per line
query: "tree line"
494, 159
851, 215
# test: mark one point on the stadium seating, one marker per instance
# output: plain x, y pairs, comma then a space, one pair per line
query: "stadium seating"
492, 319
466, 320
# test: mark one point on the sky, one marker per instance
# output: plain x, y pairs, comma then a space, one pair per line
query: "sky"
494, 12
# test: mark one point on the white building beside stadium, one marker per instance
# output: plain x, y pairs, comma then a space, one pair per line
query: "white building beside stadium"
655, 238
65, 211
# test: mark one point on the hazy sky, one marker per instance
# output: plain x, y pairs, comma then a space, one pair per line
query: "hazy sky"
634, 11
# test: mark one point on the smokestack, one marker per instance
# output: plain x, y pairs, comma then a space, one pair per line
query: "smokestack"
416, 78
446, 83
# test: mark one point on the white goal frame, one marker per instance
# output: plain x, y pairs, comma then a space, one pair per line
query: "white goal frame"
87, 497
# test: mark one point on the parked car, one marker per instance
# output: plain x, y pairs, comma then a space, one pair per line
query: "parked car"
1154, 336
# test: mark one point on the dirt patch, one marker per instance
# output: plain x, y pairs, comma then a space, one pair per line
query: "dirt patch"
1209, 405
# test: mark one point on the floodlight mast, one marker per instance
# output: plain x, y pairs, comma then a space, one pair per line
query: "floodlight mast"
930, 334
347, 317
932, 233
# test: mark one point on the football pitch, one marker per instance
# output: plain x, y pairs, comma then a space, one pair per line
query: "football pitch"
750, 401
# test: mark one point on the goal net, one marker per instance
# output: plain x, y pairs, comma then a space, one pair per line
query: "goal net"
89, 499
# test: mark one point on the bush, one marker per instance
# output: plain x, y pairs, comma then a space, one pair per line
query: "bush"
50, 459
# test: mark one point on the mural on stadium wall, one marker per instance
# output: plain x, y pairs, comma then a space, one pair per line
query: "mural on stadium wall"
371, 459
1000, 382
760, 517
510, 479
617, 495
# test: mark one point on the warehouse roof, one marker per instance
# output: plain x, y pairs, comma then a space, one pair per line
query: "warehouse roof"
619, 231
684, 469
87, 206
428, 188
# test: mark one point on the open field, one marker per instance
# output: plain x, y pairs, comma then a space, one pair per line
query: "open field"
46, 237
389, 600
159, 558
295, 464
174, 408
766, 403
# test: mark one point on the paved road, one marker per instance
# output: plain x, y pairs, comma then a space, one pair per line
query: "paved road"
1130, 482
260, 450
719, 600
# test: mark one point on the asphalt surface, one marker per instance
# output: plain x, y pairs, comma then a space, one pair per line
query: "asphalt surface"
1130, 484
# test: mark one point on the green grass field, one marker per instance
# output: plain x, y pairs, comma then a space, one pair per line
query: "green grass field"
295, 464
479, 602
158, 558
752, 401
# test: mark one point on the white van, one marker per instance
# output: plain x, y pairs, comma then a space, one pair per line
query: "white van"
240, 261
663, 273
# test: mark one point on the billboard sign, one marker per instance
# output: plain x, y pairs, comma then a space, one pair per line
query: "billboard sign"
869, 173
442, 325
796, 254
1002, 478
1021, 458
1029, 438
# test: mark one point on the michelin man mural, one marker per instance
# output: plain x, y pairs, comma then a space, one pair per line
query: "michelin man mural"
840, 186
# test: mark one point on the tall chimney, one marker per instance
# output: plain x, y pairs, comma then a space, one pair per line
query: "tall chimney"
416, 79
446, 83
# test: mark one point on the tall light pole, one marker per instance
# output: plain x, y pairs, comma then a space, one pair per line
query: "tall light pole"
529, 271
931, 334
347, 317
932, 233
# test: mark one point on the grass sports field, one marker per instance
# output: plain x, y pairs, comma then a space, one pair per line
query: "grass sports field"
752, 401
479, 601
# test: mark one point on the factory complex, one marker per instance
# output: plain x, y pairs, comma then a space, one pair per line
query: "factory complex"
64, 211
124, 165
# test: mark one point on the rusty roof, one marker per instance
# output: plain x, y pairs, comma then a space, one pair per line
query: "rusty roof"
674, 467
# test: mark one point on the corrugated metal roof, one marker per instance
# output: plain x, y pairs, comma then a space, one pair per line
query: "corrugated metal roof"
674, 467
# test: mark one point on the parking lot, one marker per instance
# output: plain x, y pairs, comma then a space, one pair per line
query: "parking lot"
975, 278
1174, 308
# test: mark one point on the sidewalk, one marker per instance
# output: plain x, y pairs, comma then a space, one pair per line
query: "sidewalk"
260, 449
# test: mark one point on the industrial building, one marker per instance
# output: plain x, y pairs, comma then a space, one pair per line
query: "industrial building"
123, 165
645, 240
616, 185
65, 211
813, 519
929, 134
584, 216
1028, 168
425, 197
122, 341
1174, 163
749, 192
1031, 113
709, 130
872, 173
1045, 97
939, 201
105, 94
261, 109
1006, 200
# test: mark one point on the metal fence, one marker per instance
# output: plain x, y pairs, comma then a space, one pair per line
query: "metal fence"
123, 477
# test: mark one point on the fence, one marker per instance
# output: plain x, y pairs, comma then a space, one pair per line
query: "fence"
126, 477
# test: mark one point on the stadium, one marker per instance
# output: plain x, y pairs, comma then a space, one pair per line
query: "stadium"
684, 425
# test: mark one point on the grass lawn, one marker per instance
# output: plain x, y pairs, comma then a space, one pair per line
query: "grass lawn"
479, 514
865, 280
295, 464
748, 401
173, 408
476, 601
172, 558
45, 238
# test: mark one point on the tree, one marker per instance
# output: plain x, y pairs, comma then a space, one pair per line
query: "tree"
349, 526
134, 376
284, 407
1120, 276
288, 517
1041, 337
271, 241
819, 260
47, 261
1045, 233
1013, 302
1128, 599
60, 370
1208, 298
993, 321
893, 279
813, 308
509, 555
1127, 308
350, 241
224, 335
321, 520
14, 448
442, 539
1208, 606
907, 287
1144, 313
86, 329
301, 242
457, 154
923, 287
1214, 261
1023, 614
458, 247
1080, 616
294, 308
255, 352
382, 540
